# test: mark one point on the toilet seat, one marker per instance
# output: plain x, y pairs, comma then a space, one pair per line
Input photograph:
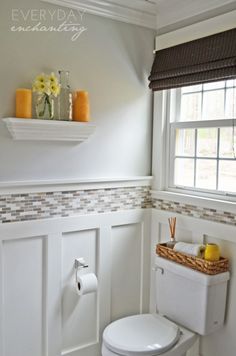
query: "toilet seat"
145, 335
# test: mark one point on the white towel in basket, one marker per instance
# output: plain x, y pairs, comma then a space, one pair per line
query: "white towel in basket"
190, 249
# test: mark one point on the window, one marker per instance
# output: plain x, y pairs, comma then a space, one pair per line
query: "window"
202, 137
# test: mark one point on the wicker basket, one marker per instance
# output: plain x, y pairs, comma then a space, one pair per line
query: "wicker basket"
196, 263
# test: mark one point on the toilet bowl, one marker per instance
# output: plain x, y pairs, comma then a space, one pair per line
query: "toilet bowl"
146, 335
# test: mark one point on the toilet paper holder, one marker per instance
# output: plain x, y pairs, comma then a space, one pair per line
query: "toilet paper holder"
80, 263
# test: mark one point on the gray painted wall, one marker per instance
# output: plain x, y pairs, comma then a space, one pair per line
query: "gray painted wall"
111, 60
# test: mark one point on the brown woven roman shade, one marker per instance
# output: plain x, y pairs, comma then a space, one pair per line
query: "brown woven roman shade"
204, 60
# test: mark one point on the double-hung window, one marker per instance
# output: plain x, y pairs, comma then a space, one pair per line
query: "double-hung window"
197, 82
202, 139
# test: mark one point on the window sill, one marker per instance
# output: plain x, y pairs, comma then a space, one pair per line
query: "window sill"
203, 202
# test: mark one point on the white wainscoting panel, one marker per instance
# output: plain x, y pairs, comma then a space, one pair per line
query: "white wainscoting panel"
41, 315
23, 289
223, 342
79, 314
127, 263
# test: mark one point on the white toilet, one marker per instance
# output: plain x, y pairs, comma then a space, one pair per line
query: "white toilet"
189, 304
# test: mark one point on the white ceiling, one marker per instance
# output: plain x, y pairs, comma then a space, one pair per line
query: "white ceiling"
163, 15
170, 12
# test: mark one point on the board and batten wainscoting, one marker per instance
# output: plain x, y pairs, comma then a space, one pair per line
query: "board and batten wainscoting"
114, 225
40, 313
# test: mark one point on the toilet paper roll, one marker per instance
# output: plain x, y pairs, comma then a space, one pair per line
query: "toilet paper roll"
86, 284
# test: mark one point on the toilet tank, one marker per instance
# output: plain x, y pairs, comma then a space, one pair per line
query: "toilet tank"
190, 298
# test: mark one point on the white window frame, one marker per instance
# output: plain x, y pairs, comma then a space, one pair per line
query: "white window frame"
164, 109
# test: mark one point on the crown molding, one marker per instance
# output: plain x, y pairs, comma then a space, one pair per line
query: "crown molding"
141, 15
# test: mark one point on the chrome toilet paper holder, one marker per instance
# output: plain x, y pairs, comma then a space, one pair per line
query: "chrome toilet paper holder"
80, 264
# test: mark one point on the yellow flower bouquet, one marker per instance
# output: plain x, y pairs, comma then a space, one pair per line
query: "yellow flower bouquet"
46, 87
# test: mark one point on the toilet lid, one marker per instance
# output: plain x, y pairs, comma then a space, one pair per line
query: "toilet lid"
144, 334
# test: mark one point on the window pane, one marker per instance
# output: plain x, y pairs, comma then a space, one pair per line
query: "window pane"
230, 103
184, 172
185, 142
214, 85
206, 174
191, 88
213, 105
227, 142
207, 142
227, 176
191, 107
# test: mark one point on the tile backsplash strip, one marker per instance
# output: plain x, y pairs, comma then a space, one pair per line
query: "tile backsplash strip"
195, 211
34, 206
31, 206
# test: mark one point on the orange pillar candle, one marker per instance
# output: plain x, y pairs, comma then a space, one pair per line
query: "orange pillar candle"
81, 110
24, 103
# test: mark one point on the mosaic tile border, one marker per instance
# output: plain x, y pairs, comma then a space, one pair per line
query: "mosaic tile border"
34, 206
195, 211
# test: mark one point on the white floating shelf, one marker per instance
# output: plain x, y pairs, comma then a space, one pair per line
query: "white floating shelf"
49, 130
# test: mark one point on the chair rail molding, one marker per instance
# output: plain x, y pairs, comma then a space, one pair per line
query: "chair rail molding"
142, 14
54, 185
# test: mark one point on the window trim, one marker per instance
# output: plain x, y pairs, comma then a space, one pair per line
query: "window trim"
161, 152
200, 201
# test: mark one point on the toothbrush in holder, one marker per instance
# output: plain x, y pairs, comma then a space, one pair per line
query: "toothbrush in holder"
172, 226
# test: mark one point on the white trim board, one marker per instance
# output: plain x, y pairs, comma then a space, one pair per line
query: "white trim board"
198, 201
55, 185
201, 29
121, 12
44, 227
